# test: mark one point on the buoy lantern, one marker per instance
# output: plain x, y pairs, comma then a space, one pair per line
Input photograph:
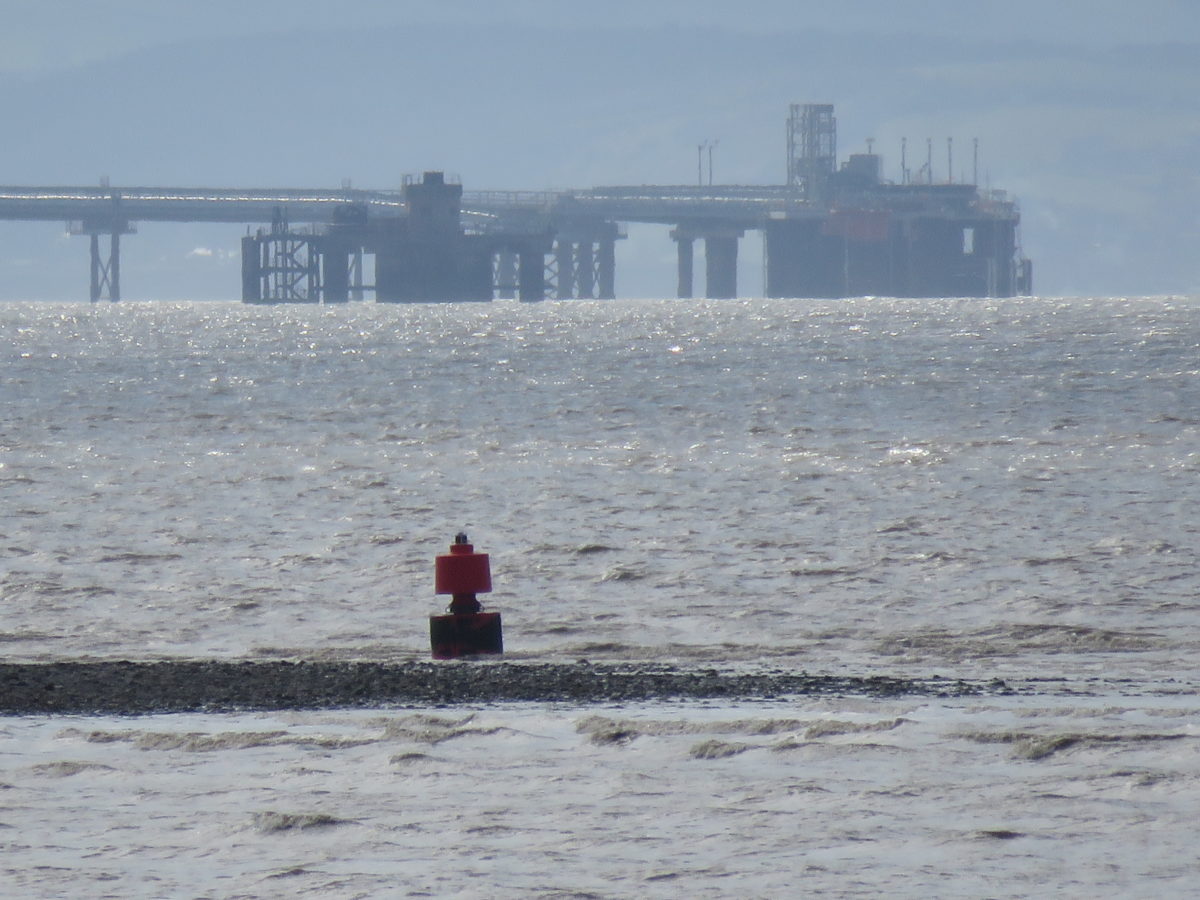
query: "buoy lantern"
465, 630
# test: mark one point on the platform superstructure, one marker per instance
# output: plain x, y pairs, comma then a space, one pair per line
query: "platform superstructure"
830, 230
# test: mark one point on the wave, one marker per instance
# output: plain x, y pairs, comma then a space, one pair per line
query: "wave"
271, 822
1036, 746
67, 768
1016, 640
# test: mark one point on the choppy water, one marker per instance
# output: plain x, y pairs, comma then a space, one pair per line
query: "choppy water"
965, 488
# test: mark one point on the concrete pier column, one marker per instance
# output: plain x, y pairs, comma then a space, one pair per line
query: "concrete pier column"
564, 258
531, 275
606, 268
335, 271
356, 274
585, 270
477, 273
251, 270
94, 293
720, 267
389, 274
506, 275
687, 265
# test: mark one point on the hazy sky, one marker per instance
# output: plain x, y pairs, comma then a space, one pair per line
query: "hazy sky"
1088, 111
42, 34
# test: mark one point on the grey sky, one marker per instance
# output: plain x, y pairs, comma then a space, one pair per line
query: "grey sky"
46, 34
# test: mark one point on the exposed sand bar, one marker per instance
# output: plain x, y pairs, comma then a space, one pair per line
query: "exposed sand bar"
123, 687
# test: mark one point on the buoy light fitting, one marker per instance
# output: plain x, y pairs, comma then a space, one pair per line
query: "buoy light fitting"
465, 630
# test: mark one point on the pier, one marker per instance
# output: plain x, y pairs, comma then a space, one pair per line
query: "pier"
829, 231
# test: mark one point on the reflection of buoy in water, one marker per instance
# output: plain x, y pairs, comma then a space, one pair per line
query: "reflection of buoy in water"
464, 630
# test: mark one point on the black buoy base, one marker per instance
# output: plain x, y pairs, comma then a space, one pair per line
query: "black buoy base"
465, 634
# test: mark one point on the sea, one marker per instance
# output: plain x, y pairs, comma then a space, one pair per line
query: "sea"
986, 490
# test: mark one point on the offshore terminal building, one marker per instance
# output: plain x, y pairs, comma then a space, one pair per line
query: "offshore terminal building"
830, 230
860, 235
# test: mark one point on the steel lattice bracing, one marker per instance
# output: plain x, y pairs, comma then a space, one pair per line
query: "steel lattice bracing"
290, 269
812, 147
105, 269
504, 274
106, 274
581, 269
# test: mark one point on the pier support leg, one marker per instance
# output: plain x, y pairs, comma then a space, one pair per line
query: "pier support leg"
585, 261
94, 293
356, 274
606, 268
106, 276
504, 277
564, 258
389, 274
686, 254
477, 275
531, 275
585, 270
803, 261
1024, 280
285, 267
251, 270
114, 268
335, 271
720, 259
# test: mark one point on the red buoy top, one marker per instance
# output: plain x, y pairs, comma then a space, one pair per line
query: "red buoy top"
463, 571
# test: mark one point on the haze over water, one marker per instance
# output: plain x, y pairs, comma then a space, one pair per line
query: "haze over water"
964, 488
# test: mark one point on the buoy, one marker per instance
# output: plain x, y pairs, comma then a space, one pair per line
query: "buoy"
465, 630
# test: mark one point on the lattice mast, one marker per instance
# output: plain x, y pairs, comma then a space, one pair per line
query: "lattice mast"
812, 148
